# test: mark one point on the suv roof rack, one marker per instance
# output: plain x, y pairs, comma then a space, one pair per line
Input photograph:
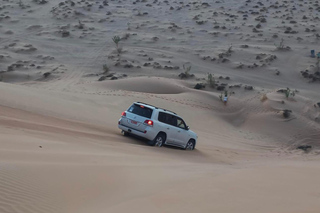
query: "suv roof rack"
156, 107
146, 104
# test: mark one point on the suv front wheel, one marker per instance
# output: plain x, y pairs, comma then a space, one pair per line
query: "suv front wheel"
159, 140
190, 145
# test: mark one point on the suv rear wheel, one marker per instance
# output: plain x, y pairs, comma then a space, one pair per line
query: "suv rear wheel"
124, 133
159, 140
190, 145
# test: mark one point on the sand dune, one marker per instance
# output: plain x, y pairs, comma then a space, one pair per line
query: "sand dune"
145, 85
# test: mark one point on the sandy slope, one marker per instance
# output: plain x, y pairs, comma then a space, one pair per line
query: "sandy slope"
61, 150
58, 165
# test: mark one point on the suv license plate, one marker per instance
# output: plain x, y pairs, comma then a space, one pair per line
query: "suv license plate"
134, 122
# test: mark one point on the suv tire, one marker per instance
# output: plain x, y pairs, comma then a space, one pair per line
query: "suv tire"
158, 140
124, 133
190, 145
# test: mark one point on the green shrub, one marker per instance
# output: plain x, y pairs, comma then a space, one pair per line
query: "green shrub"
116, 40
288, 93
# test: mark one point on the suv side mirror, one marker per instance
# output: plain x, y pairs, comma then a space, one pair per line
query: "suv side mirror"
188, 128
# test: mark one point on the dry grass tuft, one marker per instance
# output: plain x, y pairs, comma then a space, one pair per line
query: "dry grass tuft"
263, 98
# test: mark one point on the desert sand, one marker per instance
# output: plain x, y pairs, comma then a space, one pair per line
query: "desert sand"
64, 83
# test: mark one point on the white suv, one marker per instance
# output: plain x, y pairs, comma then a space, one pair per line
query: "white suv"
159, 126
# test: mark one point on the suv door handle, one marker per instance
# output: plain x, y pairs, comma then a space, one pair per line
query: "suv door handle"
168, 128
179, 131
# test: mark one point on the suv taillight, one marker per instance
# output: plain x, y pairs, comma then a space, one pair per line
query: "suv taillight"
149, 122
123, 114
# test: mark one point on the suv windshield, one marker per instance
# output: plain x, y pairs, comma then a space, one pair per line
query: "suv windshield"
140, 110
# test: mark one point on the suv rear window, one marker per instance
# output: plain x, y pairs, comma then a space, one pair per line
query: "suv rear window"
140, 110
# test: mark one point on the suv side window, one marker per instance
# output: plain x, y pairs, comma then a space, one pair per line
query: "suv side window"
167, 118
162, 117
173, 120
181, 124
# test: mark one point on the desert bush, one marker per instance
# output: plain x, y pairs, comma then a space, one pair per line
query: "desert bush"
229, 51
102, 78
46, 74
314, 74
288, 93
281, 46
248, 87
263, 98
40, 1
125, 36
65, 33
54, 11
186, 73
81, 25
116, 40
240, 66
199, 86
226, 53
186, 69
286, 113
305, 148
211, 80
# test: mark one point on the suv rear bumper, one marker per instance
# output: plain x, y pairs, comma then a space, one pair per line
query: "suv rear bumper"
149, 134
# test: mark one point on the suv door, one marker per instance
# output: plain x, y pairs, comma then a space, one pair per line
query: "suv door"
182, 136
168, 121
